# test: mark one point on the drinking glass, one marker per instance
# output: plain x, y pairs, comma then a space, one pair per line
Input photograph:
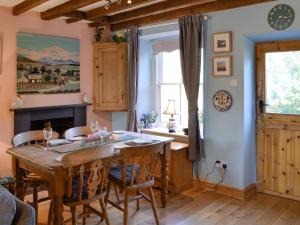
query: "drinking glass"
47, 135
140, 127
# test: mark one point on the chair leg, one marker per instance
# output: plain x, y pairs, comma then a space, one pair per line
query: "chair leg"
84, 215
126, 208
104, 212
50, 213
74, 215
117, 193
107, 193
35, 202
137, 201
153, 204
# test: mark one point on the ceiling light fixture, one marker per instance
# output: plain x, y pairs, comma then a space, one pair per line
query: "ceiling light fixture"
109, 2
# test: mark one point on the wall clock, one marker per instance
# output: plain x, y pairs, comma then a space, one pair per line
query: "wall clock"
222, 100
281, 17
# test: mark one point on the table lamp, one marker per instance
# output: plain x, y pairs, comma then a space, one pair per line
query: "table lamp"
171, 110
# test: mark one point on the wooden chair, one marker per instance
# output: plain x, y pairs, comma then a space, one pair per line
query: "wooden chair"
77, 131
86, 181
135, 175
32, 179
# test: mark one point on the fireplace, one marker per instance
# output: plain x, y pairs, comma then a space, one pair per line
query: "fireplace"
61, 118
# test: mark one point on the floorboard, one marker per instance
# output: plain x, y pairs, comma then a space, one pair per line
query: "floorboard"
199, 207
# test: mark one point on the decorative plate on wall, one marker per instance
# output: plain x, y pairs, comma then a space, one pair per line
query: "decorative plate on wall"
222, 100
281, 17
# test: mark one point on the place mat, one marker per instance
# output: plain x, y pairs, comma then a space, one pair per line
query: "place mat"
69, 147
78, 145
142, 142
122, 137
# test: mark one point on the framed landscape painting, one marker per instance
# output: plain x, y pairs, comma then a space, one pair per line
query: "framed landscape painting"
47, 64
222, 65
222, 42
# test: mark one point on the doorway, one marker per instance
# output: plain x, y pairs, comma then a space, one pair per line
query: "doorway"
278, 118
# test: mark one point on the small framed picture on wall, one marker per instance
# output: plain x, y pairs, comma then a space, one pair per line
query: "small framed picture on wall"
222, 65
222, 42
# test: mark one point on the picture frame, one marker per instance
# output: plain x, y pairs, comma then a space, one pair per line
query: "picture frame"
222, 65
47, 64
222, 42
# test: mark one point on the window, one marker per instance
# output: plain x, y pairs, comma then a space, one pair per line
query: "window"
283, 82
169, 85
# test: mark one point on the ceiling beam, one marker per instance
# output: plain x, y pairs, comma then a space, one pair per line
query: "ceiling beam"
191, 10
101, 11
73, 20
75, 16
65, 8
156, 8
26, 5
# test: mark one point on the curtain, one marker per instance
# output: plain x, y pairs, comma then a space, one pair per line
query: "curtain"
133, 54
190, 44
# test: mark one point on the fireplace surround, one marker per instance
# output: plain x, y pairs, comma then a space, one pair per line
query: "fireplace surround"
61, 117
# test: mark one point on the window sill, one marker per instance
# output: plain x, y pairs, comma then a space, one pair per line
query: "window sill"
179, 135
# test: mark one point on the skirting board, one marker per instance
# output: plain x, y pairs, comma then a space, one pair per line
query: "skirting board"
241, 194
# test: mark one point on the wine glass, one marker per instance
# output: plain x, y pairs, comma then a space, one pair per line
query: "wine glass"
140, 127
102, 132
94, 126
47, 135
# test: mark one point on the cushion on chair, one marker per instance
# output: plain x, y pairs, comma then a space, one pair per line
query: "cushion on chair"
7, 180
115, 173
75, 187
7, 206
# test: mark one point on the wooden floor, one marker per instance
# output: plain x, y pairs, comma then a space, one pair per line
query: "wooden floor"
196, 206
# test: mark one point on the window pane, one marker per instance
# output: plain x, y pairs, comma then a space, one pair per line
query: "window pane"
283, 82
171, 67
169, 92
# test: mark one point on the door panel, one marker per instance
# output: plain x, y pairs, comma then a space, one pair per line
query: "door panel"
278, 121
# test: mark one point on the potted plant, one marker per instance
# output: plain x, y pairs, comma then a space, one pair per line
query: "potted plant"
150, 119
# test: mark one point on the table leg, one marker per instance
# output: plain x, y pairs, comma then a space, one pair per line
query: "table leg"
57, 193
20, 187
165, 158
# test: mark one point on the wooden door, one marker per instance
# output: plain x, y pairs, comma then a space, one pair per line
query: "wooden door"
110, 77
278, 118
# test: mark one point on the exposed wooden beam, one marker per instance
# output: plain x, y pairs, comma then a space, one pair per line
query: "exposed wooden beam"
26, 5
65, 8
191, 10
73, 20
101, 11
76, 14
101, 21
156, 8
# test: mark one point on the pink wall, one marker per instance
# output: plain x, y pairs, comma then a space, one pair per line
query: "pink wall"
30, 22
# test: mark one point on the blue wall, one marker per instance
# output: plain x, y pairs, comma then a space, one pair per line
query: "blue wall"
230, 136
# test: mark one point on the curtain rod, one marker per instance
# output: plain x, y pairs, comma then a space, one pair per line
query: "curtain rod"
165, 24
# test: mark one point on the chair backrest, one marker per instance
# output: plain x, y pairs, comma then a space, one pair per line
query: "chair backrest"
142, 161
77, 131
90, 169
28, 137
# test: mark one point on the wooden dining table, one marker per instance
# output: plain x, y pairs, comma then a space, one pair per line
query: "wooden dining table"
47, 164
